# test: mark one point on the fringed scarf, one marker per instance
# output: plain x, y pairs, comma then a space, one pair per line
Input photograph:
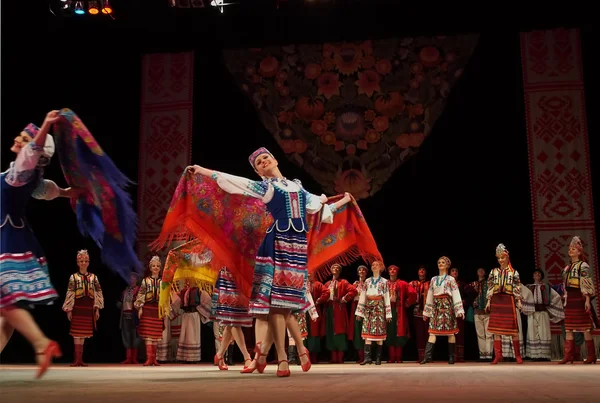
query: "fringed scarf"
233, 227
104, 212
186, 262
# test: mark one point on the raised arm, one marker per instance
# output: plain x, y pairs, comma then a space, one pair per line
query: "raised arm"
236, 184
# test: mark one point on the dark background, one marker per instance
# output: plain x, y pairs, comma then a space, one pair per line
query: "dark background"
465, 191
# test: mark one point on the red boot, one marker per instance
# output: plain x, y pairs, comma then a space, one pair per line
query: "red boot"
154, 362
568, 352
134, 356
398, 355
497, 352
361, 356
391, 355
78, 356
148, 355
591, 352
128, 355
517, 348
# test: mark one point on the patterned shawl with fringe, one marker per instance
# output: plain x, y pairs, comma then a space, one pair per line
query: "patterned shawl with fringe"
105, 211
233, 227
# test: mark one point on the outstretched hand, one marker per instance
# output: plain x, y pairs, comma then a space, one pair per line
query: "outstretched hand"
72, 193
51, 117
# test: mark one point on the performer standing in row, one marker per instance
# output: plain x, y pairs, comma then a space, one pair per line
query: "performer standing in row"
460, 336
548, 308
129, 321
443, 307
336, 294
402, 296
485, 340
422, 287
151, 325
355, 325
374, 309
579, 289
195, 305
316, 329
82, 304
24, 278
503, 300
283, 252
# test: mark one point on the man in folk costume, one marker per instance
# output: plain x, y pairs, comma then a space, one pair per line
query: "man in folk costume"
460, 336
129, 321
485, 340
548, 308
166, 348
355, 324
503, 300
579, 289
337, 292
402, 296
82, 304
316, 329
421, 328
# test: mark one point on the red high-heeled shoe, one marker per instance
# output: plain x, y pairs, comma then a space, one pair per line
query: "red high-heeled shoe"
283, 373
306, 367
51, 351
218, 361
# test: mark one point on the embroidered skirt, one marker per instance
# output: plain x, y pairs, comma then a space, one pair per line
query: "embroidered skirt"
374, 324
301, 318
443, 322
576, 318
280, 274
82, 318
229, 306
503, 316
151, 326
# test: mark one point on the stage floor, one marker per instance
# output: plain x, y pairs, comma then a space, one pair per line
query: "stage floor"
438, 382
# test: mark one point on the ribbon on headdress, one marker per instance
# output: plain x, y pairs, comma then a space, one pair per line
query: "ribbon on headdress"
234, 226
105, 211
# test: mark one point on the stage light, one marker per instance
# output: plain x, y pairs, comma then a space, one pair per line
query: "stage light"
93, 7
66, 4
106, 7
217, 3
79, 8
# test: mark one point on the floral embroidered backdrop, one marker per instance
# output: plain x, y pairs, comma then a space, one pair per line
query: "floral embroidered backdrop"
351, 113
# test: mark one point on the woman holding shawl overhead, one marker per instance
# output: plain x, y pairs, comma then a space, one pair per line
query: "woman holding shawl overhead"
24, 278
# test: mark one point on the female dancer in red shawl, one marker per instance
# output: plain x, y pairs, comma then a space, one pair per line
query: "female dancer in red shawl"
82, 304
355, 324
402, 296
283, 253
337, 293
442, 307
579, 289
503, 300
24, 278
151, 325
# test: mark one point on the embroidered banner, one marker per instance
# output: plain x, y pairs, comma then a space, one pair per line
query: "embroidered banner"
351, 113
559, 165
165, 138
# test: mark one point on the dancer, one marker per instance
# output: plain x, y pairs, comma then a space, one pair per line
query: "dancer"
230, 311
548, 308
422, 287
195, 305
297, 330
579, 289
24, 278
82, 304
485, 340
316, 329
443, 307
355, 324
460, 336
337, 293
151, 326
402, 296
374, 309
503, 299
129, 320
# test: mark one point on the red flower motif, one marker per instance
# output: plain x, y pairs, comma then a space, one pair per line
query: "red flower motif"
339, 145
300, 146
312, 71
285, 117
390, 105
329, 117
381, 123
370, 115
350, 149
309, 109
368, 82
372, 136
329, 85
328, 138
383, 66
430, 56
362, 145
319, 127
403, 141
354, 182
347, 58
287, 146
268, 66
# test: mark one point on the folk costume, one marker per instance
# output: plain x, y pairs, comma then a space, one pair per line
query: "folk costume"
402, 296
151, 325
129, 323
355, 325
485, 339
421, 327
316, 329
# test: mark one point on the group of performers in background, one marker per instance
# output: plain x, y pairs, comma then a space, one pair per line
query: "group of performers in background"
279, 295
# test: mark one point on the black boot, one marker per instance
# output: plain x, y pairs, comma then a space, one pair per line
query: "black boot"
368, 359
293, 355
229, 356
451, 347
428, 356
378, 355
